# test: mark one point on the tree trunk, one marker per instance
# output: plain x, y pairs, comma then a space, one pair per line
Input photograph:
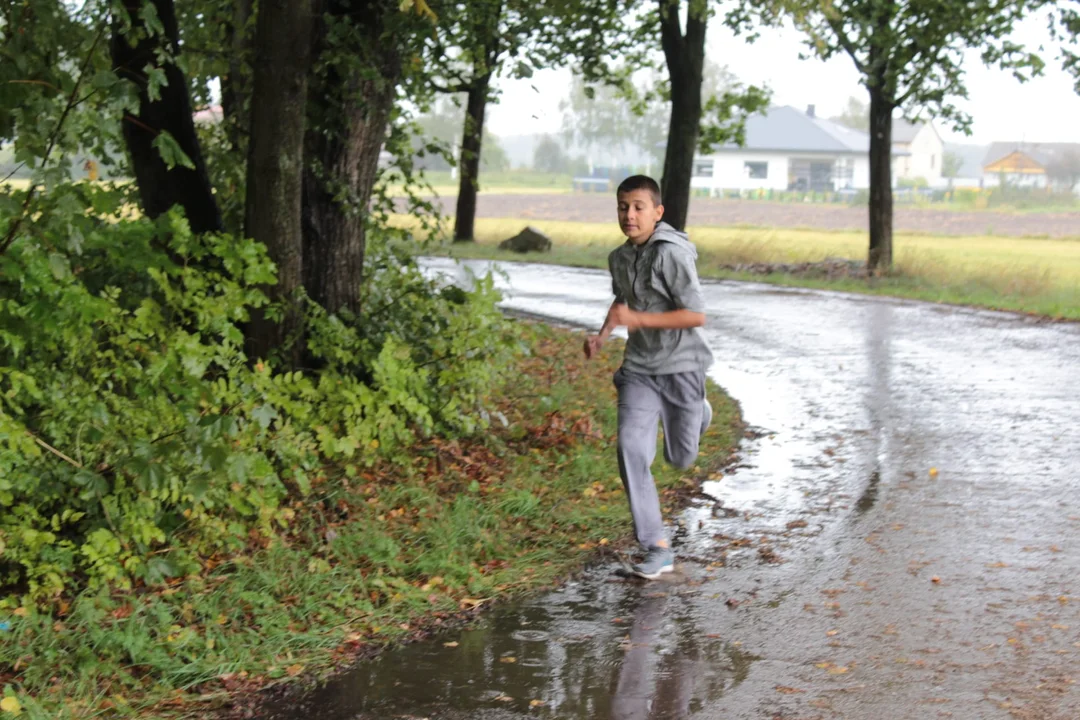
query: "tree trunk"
881, 197
353, 98
471, 142
159, 187
236, 86
685, 55
276, 160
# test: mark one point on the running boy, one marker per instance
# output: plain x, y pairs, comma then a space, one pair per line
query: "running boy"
658, 299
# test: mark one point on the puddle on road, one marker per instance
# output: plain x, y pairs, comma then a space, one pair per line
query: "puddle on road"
586, 651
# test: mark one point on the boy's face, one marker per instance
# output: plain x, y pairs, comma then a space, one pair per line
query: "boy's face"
638, 215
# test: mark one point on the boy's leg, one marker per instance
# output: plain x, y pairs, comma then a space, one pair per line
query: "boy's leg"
639, 415
684, 414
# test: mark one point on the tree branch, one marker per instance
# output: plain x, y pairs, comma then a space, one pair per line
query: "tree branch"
916, 81
73, 100
696, 24
845, 42
55, 452
671, 37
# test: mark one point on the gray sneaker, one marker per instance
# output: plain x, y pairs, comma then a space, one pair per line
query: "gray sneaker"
658, 560
706, 417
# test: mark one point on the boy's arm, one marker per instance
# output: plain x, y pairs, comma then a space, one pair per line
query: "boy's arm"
680, 278
680, 319
610, 319
593, 342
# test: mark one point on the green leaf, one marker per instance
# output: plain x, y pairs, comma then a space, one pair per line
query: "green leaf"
171, 152
155, 80
59, 266
264, 415
159, 569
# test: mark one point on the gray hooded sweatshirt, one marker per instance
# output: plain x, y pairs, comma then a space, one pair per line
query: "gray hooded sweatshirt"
658, 276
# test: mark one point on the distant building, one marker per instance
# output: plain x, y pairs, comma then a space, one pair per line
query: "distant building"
970, 172
1033, 165
918, 152
788, 149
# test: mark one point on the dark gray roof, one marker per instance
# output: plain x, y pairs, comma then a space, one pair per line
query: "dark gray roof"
971, 158
1042, 153
787, 129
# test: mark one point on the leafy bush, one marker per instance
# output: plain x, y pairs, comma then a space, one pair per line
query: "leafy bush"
136, 439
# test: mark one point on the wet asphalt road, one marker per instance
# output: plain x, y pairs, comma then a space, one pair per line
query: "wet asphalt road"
838, 576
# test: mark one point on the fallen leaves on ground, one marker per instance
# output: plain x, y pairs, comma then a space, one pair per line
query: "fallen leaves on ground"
832, 668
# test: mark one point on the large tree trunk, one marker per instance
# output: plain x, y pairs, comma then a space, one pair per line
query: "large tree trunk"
881, 197
471, 145
353, 97
159, 187
236, 86
276, 160
685, 55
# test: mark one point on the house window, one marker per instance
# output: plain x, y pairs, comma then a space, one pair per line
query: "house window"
703, 168
844, 171
933, 159
757, 170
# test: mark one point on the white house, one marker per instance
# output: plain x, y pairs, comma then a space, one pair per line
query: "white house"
918, 152
788, 149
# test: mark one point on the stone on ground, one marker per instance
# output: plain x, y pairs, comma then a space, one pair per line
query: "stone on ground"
528, 240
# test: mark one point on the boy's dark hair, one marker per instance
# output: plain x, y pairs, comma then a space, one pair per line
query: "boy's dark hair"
640, 182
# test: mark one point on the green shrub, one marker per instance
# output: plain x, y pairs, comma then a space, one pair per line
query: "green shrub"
136, 439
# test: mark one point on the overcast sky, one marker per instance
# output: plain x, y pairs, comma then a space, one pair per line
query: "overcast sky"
1046, 109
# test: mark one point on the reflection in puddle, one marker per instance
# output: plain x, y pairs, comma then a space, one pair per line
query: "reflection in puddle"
588, 651
870, 494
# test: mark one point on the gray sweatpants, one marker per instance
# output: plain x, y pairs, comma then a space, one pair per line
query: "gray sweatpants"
678, 400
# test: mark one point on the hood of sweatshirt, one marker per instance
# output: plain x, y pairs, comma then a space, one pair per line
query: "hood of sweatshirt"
664, 233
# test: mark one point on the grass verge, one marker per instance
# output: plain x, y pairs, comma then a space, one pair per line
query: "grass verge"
1037, 276
390, 555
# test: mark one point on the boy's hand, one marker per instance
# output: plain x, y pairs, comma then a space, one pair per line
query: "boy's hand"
623, 315
593, 343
